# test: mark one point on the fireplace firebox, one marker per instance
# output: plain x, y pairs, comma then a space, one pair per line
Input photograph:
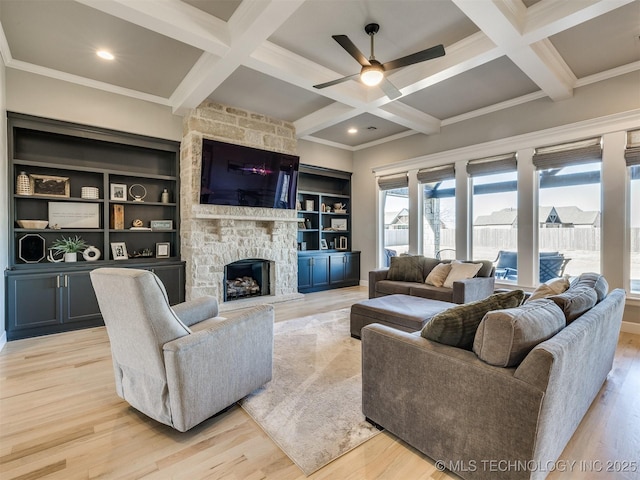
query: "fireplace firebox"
246, 278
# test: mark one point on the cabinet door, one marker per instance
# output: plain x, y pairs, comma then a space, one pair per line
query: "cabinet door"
352, 267
337, 268
320, 274
172, 276
305, 280
33, 301
80, 302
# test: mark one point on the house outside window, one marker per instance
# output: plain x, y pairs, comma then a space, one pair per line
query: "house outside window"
439, 211
632, 158
395, 204
569, 212
495, 213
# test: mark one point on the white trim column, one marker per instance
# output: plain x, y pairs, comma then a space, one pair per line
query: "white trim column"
527, 219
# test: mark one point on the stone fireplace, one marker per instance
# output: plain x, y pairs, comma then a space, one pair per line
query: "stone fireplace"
215, 236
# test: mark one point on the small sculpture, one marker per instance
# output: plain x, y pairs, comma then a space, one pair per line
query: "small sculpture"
136, 223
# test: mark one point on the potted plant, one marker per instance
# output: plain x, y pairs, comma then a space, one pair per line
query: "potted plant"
70, 247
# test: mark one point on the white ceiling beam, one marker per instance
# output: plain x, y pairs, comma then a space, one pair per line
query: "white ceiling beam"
171, 18
540, 62
253, 22
549, 17
409, 117
324, 118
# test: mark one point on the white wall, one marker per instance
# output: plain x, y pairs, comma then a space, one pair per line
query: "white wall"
319, 155
4, 208
46, 97
593, 110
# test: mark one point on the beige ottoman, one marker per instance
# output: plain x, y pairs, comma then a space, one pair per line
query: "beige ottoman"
403, 312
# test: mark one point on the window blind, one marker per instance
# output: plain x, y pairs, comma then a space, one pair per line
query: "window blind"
491, 165
632, 152
391, 182
436, 174
575, 153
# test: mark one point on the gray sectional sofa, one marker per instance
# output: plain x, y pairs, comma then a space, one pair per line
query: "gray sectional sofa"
478, 417
407, 275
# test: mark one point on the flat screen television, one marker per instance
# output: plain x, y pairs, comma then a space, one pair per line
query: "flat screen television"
247, 177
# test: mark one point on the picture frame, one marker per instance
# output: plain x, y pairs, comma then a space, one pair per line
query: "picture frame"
323, 244
119, 251
301, 225
49, 186
74, 215
339, 224
118, 192
309, 205
161, 224
342, 245
163, 250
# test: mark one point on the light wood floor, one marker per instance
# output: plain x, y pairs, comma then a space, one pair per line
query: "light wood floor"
61, 419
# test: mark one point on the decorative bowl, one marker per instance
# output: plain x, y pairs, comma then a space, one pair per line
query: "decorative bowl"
36, 224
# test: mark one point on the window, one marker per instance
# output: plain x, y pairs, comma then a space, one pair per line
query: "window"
495, 213
395, 205
632, 157
439, 212
569, 208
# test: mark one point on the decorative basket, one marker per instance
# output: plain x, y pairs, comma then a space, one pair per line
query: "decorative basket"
90, 193
23, 184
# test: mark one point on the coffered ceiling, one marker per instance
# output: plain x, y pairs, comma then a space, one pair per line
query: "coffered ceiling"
266, 55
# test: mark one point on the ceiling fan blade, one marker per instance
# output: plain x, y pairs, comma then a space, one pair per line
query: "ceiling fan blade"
335, 82
389, 89
348, 45
428, 54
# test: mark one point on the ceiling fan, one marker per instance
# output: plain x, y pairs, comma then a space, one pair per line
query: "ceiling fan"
373, 72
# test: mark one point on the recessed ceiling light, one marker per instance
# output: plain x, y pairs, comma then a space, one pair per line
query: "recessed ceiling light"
353, 130
105, 55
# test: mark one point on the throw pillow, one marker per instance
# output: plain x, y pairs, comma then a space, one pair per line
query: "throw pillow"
457, 326
438, 275
554, 286
505, 337
575, 301
593, 280
461, 271
406, 269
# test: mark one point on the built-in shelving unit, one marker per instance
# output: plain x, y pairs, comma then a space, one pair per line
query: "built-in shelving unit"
325, 257
62, 160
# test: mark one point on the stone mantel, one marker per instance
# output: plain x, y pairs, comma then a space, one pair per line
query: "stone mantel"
255, 218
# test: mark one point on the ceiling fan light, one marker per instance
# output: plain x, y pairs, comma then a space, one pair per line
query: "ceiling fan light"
371, 75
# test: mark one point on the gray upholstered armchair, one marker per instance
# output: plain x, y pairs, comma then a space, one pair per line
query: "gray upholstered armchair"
180, 365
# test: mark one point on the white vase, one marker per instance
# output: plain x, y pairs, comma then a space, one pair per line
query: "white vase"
71, 257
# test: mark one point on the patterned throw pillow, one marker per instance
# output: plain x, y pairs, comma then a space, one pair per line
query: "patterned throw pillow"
438, 275
406, 269
457, 326
461, 271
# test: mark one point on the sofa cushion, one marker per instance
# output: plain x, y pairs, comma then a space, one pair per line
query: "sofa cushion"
595, 281
575, 301
551, 287
406, 269
391, 287
438, 275
457, 326
429, 291
461, 271
505, 337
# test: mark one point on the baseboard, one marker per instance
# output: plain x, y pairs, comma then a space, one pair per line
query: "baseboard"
630, 327
3, 340
364, 283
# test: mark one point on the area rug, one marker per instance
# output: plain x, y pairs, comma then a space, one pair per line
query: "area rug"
312, 408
